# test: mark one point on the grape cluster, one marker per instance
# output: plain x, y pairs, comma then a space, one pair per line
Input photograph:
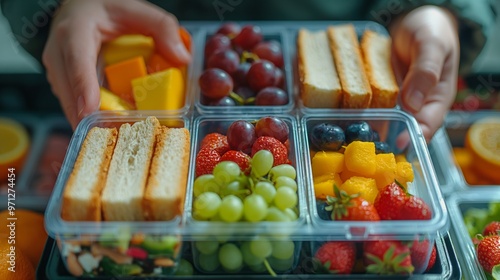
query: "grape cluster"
242, 69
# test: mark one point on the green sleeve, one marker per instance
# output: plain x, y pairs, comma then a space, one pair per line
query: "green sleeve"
475, 18
30, 22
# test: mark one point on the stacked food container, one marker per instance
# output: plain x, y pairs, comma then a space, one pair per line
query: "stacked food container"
287, 244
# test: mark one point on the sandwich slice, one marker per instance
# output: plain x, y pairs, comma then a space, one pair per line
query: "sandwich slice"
376, 50
356, 91
123, 193
319, 82
166, 187
82, 195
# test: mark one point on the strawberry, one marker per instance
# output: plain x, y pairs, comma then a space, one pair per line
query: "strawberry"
215, 141
389, 201
278, 149
387, 257
242, 159
492, 228
418, 254
350, 207
206, 160
414, 208
488, 252
337, 256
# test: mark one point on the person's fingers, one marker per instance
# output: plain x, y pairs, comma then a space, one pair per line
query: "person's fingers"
147, 19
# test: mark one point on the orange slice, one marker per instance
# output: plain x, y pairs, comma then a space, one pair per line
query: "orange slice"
14, 146
483, 140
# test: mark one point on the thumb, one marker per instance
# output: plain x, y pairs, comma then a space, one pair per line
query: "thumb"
426, 64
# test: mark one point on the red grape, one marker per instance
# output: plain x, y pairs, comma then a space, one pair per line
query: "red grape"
272, 126
240, 75
270, 51
261, 74
240, 136
271, 96
216, 43
249, 36
227, 60
230, 29
280, 79
245, 92
215, 83
224, 101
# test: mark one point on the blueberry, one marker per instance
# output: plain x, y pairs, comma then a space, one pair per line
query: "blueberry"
359, 131
382, 148
322, 213
327, 137
375, 136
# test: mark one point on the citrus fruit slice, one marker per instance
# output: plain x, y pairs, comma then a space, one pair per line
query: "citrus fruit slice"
483, 140
14, 146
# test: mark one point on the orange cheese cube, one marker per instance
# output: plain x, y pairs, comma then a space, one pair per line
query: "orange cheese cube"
120, 76
160, 91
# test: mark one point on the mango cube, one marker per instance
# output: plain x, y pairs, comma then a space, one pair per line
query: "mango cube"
327, 163
366, 187
160, 91
323, 185
360, 158
120, 76
386, 170
400, 158
126, 47
404, 173
111, 101
346, 174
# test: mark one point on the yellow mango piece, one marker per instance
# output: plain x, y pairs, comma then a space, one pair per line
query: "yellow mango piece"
327, 162
111, 101
386, 170
400, 158
346, 174
366, 187
404, 173
323, 185
159, 91
360, 158
126, 47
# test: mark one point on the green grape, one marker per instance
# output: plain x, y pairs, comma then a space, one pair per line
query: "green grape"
205, 183
283, 249
207, 247
288, 182
225, 172
207, 205
259, 268
208, 263
231, 209
185, 268
285, 198
281, 265
276, 215
283, 170
266, 190
261, 247
232, 188
254, 208
249, 258
230, 256
262, 162
290, 213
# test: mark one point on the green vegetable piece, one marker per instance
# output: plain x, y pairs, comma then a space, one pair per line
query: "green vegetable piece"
110, 268
121, 241
185, 268
163, 245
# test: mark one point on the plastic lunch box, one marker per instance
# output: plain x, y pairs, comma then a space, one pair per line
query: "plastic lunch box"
76, 238
458, 204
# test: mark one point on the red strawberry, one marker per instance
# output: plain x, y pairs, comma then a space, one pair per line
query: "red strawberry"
215, 141
337, 257
206, 160
492, 228
387, 257
418, 253
350, 207
414, 208
279, 151
242, 159
389, 201
488, 252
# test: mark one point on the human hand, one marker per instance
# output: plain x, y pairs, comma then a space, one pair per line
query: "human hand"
77, 32
425, 57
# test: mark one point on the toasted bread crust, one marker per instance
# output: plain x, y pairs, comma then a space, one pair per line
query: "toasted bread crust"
74, 209
355, 86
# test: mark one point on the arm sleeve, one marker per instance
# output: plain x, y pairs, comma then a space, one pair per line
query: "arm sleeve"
475, 18
30, 22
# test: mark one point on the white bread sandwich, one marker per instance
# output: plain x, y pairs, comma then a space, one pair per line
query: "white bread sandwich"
376, 50
82, 195
123, 193
319, 82
166, 187
349, 63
